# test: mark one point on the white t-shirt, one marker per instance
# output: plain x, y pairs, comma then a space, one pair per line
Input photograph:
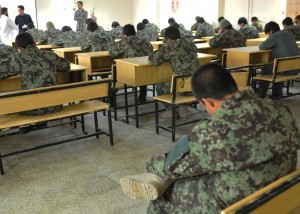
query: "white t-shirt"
7, 27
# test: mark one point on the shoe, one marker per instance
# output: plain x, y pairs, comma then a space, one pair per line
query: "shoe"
144, 186
182, 112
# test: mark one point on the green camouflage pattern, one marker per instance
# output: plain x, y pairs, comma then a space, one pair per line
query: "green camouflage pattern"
36, 34
145, 35
50, 35
195, 26
250, 32
182, 55
152, 30
205, 29
96, 41
295, 30
259, 25
37, 69
228, 39
6, 51
80, 17
185, 34
249, 143
129, 47
69, 39
116, 33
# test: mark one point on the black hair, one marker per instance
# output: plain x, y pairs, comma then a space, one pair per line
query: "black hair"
201, 20
79, 2
254, 19
129, 30
23, 40
242, 20
88, 21
140, 26
66, 28
197, 19
287, 21
171, 21
3, 10
92, 26
271, 26
30, 26
212, 80
174, 25
220, 18
297, 17
115, 24
145, 21
172, 33
21, 7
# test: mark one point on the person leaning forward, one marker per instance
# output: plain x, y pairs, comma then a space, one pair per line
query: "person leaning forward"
246, 144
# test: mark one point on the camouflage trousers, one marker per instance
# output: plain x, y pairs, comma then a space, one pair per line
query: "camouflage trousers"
42, 111
163, 88
187, 195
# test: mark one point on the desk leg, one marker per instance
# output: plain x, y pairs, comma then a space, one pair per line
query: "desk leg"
126, 103
136, 108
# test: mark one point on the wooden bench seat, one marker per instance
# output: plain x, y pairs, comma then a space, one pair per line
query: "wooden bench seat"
180, 99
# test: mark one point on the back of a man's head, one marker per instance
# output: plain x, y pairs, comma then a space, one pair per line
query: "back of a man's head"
145, 21
171, 21
220, 18
88, 21
93, 26
172, 33
3, 10
66, 29
254, 19
287, 21
129, 30
30, 26
197, 19
23, 40
212, 81
271, 26
201, 20
115, 24
50, 25
140, 26
297, 17
242, 20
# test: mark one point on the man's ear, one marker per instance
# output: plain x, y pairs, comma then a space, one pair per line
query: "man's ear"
208, 102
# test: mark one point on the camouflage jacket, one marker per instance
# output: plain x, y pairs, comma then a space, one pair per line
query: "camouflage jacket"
195, 26
50, 35
205, 29
129, 47
249, 143
250, 32
37, 69
229, 39
259, 25
152, 30
185, 34
80, 17
144, 35
181, 53
295, 30
69, 39
96, 41
36, 34
116, 33
6, 51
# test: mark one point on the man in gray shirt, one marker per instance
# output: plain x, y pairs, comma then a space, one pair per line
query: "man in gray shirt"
282, 44
80, 16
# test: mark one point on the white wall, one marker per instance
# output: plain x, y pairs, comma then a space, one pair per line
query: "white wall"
61, 12
145, 9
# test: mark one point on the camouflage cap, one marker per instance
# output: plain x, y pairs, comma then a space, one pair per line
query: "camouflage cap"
224, 23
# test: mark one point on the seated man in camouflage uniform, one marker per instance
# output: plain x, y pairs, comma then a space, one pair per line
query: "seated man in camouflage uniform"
142, 32
36, 67
228, 37
96, 39
131, 46
297, 21
205, 29
152, 29
183, 57
289, 26
69, 38
116, 31
219, 20
195, 26
246, 144
6, 51
258, 24
249, 32
186, 34
50, 34
35, 33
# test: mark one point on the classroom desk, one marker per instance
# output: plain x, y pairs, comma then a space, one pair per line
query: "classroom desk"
138, 72
206, 49
95, 61
196, 41
263, 35
158, 44
247, 55
76, 72
298, 43
255, 42
68, 53
47, 47
207, 38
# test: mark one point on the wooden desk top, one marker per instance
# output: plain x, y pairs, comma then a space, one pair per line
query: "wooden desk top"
248, 49
94, 54
257, 39
75, 67
143, 61
298, 43
202, 45
70, 49
199, 40
42, 47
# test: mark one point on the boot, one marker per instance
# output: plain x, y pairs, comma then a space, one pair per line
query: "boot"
143, 94
182, 112
144, 186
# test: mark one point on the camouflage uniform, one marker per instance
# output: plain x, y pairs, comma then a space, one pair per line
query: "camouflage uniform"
195, 26
96, 41
229, 39
6, 51
152, 30
185, 34
144, 35
259, 25
246, 145
116, 33
295, 30
250, 32
181, 54
80, 17
50, 35
205, 29
37, 69
36, 34
69, 39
